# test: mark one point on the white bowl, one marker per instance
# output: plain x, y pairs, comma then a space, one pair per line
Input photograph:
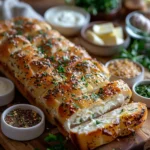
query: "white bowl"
138, 98
129, 81
9, 95
22, 134
70, 30
102, 50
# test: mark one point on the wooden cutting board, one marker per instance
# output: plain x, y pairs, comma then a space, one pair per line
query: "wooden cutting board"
136, 141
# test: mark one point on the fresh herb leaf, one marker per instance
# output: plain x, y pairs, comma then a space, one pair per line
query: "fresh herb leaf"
95, 6
59, 139
94, 96
50, 138
49, 44
61, 69
137, 52
40, 50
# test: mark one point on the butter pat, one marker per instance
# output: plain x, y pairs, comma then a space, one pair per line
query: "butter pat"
111, 39
92, 37
118, 32
103, 28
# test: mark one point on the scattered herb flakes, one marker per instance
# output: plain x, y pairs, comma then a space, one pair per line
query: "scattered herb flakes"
52, 58
143, 90
85, 96
86, 84
19, 32
122, 110
97, 122
94, 96
76, 106
30, 38
49, 44
19, 22
83, 78
61, 69
44, 74
40, 50
66, 58
43, 33
100, 93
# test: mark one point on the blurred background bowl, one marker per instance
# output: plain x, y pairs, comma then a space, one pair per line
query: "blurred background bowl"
129, 81
67, 31
102, 50
137, 97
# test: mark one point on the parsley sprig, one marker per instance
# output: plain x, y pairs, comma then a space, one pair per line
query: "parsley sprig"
137, 52
59, 141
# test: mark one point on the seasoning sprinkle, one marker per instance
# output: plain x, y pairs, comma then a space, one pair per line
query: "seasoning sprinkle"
22, 118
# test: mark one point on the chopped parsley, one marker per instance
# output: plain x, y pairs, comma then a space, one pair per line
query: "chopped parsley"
19, 32
52, 58
83, 78
55, 83
97, 122
143, 90
42, 32
29, 38
40, 50
122, 110
63, 76
61, 69
86, 84
81, 120
44, 74
66, 58
49, 44
19, 22
85, 97
94, 96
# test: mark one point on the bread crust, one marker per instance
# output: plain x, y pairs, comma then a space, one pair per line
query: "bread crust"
57, 76
125, 125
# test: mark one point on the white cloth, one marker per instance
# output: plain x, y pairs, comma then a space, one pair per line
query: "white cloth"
14, 8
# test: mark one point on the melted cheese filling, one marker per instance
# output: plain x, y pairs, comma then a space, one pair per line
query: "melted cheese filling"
107, 119
89, 114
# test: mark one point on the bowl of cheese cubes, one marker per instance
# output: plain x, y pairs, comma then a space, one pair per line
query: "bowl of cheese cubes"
104, 38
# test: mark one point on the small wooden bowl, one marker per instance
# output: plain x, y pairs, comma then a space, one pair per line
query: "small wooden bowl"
102, 50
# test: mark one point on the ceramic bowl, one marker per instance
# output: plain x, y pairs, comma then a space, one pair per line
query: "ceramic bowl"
138, 98
22, 134
70, 30
102, 50
133, 31
9, 95
129, 81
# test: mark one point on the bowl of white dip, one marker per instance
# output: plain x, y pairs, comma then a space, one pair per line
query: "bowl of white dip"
7, 91
68, 20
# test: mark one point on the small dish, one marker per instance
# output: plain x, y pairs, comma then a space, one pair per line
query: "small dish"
68, 30
22, 134
8, 89
129, 81
102, 50
137, 97
132, 30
